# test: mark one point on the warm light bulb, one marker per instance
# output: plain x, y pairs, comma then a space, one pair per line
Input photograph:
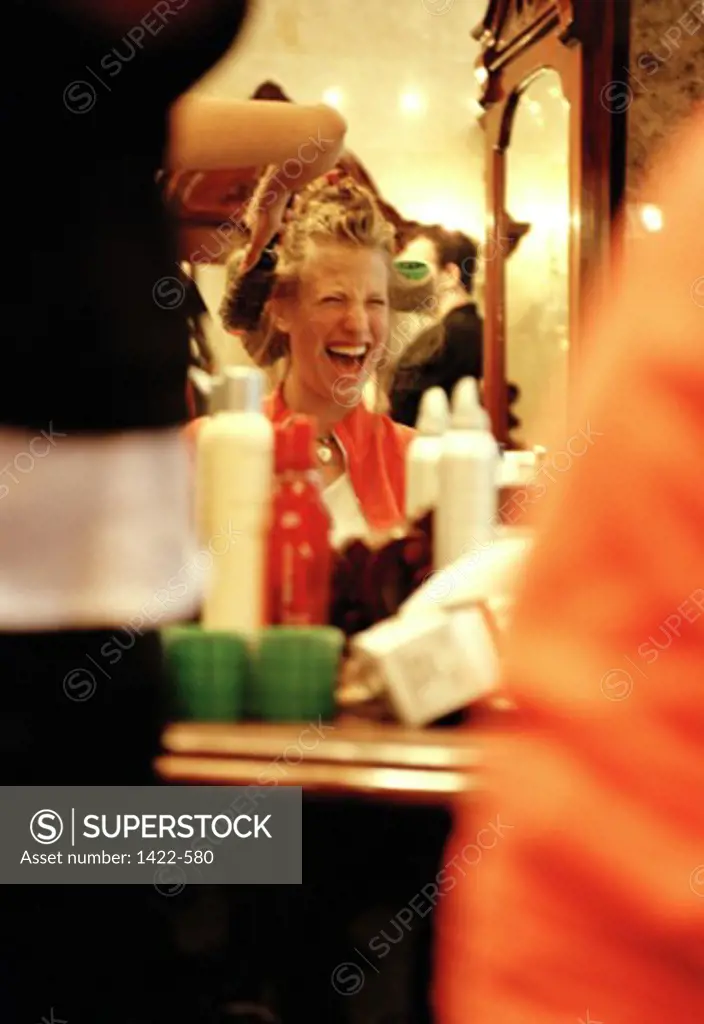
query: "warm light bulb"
411, 102
651, 216
333, 98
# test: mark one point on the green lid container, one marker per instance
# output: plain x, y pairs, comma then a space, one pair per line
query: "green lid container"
295, 672
413, 270
208, 673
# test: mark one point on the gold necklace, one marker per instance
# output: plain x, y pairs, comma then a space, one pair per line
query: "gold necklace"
324, 448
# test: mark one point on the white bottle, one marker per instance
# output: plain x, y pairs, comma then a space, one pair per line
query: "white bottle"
234, 482
466, 517
423, 455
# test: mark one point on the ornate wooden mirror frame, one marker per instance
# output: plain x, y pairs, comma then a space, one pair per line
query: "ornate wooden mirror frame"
584, 41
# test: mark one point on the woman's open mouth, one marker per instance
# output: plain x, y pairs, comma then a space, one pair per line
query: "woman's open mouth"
347, 358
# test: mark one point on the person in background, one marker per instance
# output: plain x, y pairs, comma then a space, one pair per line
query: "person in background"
588, 902
325, 327
95, 511
452, 347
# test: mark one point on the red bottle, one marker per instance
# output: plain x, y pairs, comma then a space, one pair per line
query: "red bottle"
300, 555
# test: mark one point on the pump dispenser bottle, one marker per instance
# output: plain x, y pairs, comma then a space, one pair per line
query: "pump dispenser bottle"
234, 484
468, 466
423, 456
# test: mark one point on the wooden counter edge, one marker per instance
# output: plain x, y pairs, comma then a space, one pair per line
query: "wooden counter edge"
396, 785
343, 744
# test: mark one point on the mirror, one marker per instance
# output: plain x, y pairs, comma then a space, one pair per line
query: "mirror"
537, 275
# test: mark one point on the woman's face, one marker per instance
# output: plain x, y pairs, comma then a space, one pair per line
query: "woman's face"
338, 320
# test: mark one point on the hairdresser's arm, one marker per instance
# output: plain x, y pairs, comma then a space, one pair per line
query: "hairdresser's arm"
209, 134
297, 144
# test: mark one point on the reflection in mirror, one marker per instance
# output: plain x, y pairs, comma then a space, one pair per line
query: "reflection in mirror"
537, 275
334, 325
413, 138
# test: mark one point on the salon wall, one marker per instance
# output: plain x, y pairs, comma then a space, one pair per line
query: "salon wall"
664, 81
402, 73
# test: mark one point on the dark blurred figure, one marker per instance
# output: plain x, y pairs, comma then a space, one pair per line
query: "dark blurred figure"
95, 496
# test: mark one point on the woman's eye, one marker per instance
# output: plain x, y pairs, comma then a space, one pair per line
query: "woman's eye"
377, 302
331, 299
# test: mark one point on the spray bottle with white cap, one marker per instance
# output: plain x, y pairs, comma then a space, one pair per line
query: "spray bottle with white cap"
234, 487
423, 455
468, 467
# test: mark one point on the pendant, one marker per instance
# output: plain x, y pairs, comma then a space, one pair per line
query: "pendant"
324, 454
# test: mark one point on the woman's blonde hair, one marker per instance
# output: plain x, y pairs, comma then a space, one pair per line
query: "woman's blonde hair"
328, 209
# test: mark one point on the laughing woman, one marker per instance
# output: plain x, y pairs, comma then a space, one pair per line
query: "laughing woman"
326, 326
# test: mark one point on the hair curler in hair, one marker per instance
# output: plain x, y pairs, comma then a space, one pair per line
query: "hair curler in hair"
246, 302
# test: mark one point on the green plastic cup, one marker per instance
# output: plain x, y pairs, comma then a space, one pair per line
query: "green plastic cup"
295, 672
208, 672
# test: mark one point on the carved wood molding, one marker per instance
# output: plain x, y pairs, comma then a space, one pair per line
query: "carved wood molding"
508, 21
513, 231
510, 26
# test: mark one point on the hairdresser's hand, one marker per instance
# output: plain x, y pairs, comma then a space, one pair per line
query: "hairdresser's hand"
266, 223
266, 216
